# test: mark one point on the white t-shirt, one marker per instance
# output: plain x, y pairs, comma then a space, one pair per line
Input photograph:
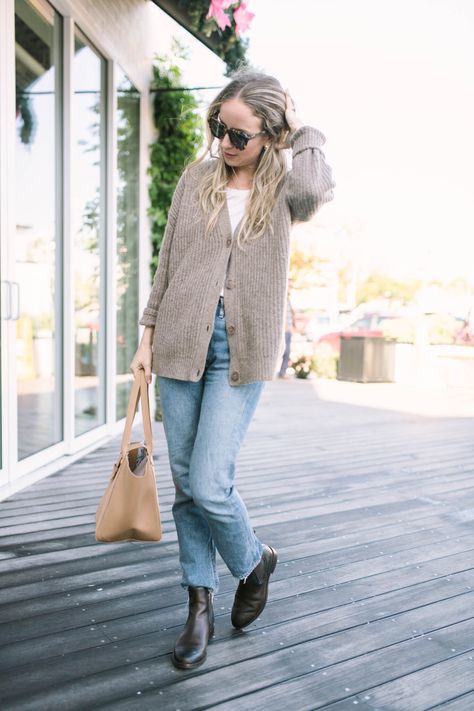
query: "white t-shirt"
236, 202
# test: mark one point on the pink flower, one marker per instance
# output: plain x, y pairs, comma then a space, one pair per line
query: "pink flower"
216, 10
242, 18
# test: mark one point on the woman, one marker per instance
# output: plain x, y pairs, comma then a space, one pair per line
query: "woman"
214, 330
290, 324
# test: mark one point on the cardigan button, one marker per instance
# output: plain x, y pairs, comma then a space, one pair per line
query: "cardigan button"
229, 284
231, 330
229, 242
235, 375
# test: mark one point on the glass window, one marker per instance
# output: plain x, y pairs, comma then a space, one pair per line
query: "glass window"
37, 243
88, 233
128, 128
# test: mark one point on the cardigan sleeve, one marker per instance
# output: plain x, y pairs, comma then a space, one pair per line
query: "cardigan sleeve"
309, 182
160, 281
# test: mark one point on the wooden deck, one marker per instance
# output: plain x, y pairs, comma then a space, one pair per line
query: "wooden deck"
367, 492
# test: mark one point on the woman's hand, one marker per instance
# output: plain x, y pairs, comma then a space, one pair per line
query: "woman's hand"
143, 359
291, 118
290, 114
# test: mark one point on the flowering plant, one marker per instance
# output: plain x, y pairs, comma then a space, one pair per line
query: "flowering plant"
224, 21
303, 366
241, 16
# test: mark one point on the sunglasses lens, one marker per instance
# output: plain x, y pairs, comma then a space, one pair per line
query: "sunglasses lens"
237, 139
217, 129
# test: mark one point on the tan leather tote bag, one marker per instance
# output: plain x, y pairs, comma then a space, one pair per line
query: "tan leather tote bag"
129, 509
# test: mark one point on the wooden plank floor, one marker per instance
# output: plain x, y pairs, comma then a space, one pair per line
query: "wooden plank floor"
366, 491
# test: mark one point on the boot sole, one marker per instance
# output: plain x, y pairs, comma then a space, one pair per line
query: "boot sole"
190, 665
187, 665
272, 566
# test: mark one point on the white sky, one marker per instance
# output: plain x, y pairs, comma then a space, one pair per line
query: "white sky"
390, 84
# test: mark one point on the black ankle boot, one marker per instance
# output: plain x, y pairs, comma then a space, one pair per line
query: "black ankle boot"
252, 592
190, 648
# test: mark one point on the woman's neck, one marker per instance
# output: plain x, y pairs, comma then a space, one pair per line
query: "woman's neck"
241, 179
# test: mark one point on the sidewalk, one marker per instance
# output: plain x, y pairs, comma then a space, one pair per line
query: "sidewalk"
366, 491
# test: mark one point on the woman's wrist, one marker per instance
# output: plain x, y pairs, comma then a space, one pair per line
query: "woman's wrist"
147, 337
295, 126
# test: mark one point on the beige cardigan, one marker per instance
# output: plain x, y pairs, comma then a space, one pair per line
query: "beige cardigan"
188, 281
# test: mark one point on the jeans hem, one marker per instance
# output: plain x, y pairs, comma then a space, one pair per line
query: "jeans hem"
212, 588
256, 562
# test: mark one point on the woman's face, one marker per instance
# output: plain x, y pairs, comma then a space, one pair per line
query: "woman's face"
236, 114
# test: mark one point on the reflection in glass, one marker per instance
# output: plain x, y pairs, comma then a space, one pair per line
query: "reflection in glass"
128, 115
87, 216
37, 238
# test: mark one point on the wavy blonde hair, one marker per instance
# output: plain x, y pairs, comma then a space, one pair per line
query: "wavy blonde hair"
264, 95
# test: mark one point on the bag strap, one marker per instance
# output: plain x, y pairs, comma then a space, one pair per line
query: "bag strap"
139, 391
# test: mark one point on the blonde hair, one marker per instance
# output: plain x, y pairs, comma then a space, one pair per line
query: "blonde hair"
264, 95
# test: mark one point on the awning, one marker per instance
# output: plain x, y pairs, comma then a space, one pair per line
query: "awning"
178, 13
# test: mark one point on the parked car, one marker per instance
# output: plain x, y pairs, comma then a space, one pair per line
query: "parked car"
367, 324
313, 325
464, 336
317, 325
438, 328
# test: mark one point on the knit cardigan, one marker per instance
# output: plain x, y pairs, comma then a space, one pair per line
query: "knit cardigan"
187, 284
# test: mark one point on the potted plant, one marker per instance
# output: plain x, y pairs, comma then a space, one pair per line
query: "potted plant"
303, 366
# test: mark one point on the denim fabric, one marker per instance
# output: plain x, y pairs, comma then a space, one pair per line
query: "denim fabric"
205, 423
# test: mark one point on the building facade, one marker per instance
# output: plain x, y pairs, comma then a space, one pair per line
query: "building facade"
75, 130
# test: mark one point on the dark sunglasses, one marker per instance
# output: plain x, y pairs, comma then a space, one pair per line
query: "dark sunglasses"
238, 138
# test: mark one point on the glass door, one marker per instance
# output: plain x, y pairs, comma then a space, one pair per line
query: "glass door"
36, 243
55, 175
126, 260
5, 315
6, 50
88, 213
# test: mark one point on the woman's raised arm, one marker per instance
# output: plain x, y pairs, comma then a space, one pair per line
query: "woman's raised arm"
309, 183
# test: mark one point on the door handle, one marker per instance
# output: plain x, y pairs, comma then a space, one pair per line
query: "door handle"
8, 300
17, 316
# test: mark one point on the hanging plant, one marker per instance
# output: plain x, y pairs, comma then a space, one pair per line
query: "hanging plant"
229, 19
25, 117
238, 19
179, 137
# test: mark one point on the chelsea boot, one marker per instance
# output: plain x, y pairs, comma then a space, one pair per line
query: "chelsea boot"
190, 648
252, 592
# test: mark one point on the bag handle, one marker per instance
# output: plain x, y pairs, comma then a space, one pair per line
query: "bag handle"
139, 391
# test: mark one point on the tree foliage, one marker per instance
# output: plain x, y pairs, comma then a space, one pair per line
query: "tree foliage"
303, 266
378, 285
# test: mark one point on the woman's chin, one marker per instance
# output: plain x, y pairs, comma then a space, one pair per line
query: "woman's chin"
229, 158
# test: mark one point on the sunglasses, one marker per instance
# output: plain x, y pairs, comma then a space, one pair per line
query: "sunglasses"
238, 138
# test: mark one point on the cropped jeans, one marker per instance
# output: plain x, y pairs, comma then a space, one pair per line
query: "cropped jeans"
205, 423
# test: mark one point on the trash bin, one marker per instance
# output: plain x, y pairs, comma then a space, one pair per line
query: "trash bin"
366, 359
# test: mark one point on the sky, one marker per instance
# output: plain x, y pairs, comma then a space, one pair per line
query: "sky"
390, 85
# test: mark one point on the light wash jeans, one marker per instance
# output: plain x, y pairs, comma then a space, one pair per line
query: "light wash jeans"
205, 423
